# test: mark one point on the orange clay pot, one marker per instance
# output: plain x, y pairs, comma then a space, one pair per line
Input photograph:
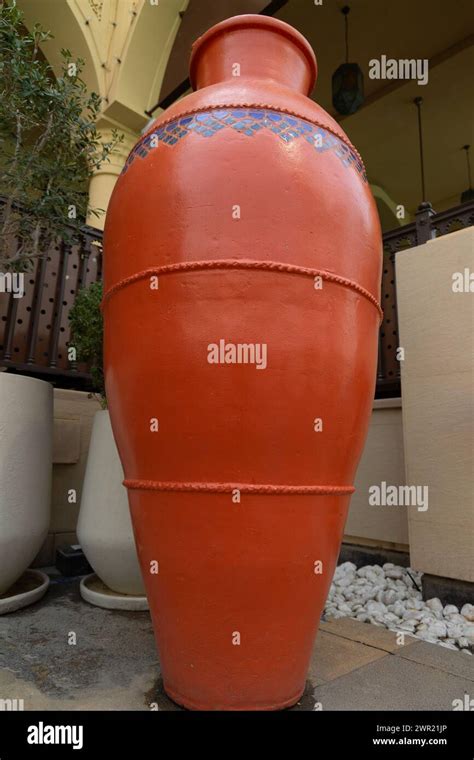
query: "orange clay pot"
242, 271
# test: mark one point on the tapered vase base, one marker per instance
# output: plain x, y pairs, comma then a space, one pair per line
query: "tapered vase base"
94, 591
190, 704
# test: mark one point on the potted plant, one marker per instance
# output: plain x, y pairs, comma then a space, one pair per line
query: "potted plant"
26, 435
104, 528
50, 147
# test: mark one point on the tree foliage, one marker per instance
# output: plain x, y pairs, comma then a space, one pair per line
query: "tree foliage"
49, 143
86, 323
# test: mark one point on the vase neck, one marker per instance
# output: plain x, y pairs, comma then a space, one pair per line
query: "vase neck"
257, 47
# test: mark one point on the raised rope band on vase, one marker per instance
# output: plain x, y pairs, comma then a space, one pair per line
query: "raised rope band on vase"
157, 485
272, 266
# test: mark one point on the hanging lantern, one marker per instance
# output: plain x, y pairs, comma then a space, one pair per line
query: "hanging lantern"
468, 195
347, 80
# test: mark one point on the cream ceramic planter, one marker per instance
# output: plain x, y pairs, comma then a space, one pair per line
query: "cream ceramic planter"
104, 528
26, 441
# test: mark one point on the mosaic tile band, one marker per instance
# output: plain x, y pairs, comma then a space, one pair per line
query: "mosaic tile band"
247, 121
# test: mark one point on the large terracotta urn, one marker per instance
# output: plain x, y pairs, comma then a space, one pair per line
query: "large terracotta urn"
242, 276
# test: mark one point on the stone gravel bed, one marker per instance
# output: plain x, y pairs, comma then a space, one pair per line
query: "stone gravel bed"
390, 596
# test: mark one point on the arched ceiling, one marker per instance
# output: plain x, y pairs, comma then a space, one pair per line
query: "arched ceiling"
385, 128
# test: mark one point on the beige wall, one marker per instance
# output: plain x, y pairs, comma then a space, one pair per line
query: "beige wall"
382, 460
73, 415
436, 331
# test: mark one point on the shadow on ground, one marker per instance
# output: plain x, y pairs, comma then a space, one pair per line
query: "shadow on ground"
65, 654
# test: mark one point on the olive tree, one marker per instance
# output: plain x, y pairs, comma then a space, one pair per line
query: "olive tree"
49, 143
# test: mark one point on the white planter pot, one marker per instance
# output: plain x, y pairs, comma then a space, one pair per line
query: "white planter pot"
104, 528
26, 443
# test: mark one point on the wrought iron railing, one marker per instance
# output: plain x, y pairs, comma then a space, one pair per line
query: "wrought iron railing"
34, 329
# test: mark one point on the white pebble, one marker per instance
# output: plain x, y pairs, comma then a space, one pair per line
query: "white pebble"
426, 636
428, 619
373, 607
450, 609
343, 582
388, 597
398, 608
415, 604
455, 630
434, 605
438, 629
468, 632
407, 625
344, 607
390, 617
412, 615
396, 573
456, 618
467, 611
347, 566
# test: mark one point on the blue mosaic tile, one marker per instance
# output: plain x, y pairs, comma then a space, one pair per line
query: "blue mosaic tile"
248, 122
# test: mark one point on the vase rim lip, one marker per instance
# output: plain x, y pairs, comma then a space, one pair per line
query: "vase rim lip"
16, 379
254, 21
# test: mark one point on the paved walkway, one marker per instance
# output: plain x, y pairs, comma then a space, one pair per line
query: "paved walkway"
113, 665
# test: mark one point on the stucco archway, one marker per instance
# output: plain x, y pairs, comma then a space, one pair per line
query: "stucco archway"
125, 45
387, 208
